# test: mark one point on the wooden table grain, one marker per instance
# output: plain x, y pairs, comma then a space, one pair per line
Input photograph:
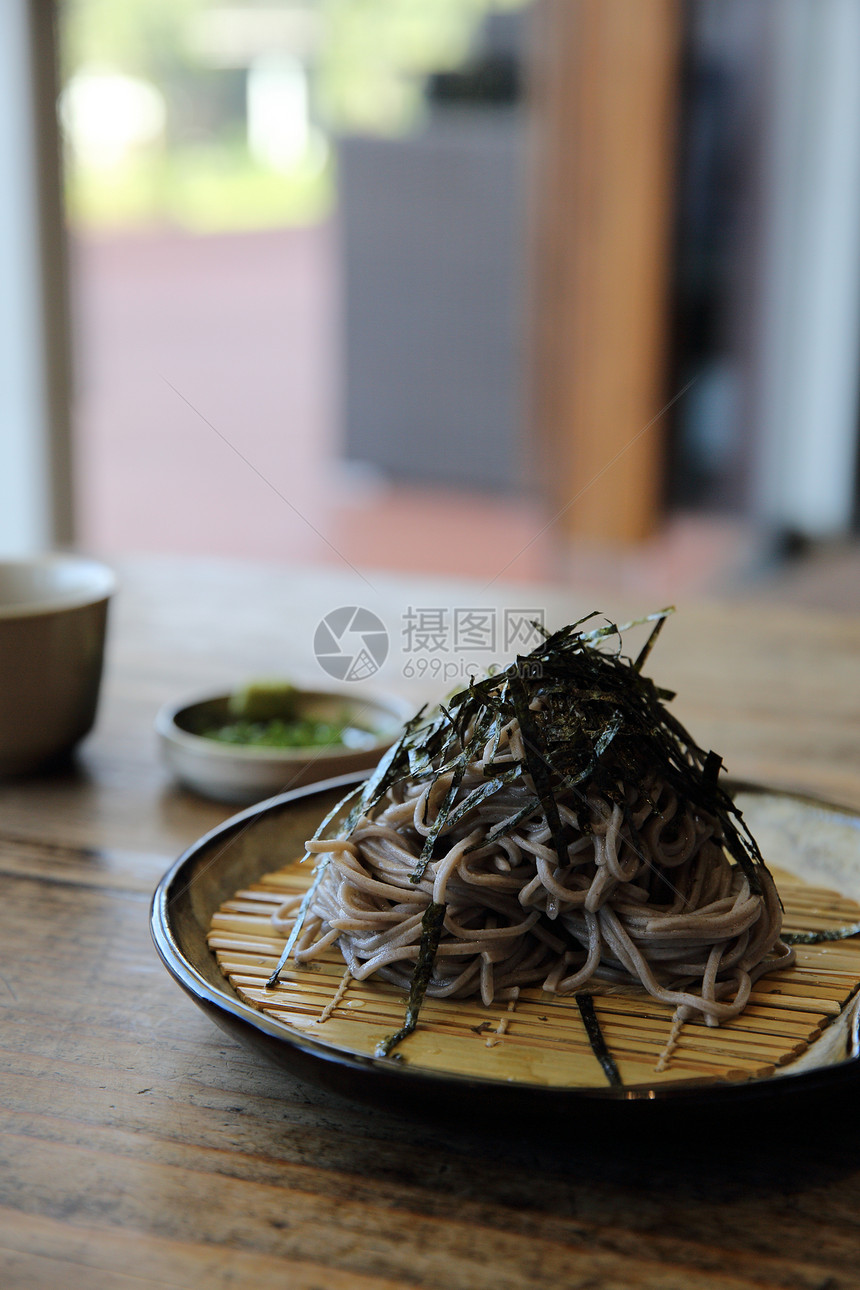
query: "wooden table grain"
142, 1148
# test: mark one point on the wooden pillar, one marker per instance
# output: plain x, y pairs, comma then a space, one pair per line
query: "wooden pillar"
604, 142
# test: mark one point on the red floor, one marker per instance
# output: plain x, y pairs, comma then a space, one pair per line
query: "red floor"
207, 412
206, 423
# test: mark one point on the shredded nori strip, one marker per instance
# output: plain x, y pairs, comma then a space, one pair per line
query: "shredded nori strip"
368, 794
819, 938
597, 1040
309, 894
480, 794
646, 649
438, 824
538, 766
431, 931
505, 826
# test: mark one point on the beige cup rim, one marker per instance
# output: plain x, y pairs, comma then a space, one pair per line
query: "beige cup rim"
98, 583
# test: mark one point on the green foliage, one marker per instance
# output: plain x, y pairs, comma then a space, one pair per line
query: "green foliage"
366, 75
145, 38
206, 188
375, 53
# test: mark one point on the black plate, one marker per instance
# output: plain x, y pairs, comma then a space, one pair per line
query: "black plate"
816, 838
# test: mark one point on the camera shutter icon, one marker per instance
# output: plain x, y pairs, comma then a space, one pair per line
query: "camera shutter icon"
351, 643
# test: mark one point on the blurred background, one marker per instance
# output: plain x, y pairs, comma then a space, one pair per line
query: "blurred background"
558, 290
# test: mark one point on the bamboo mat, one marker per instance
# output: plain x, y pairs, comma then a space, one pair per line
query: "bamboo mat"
542, 1038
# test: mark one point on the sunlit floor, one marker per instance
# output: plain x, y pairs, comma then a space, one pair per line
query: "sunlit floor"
206, 423
208, 410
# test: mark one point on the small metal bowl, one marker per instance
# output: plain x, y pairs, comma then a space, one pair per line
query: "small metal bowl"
243, 774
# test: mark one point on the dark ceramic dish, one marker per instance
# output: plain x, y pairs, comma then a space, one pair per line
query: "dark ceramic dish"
810, 838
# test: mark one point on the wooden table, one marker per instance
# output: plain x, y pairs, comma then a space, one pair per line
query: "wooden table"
142, 1148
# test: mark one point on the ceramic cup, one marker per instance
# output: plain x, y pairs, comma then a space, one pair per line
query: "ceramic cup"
53, 613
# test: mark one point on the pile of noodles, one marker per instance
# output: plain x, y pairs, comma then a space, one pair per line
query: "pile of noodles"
543, 875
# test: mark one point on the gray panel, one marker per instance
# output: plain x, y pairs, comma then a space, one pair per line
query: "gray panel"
432, 236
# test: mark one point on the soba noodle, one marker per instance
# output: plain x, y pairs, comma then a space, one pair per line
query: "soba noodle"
618, 881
